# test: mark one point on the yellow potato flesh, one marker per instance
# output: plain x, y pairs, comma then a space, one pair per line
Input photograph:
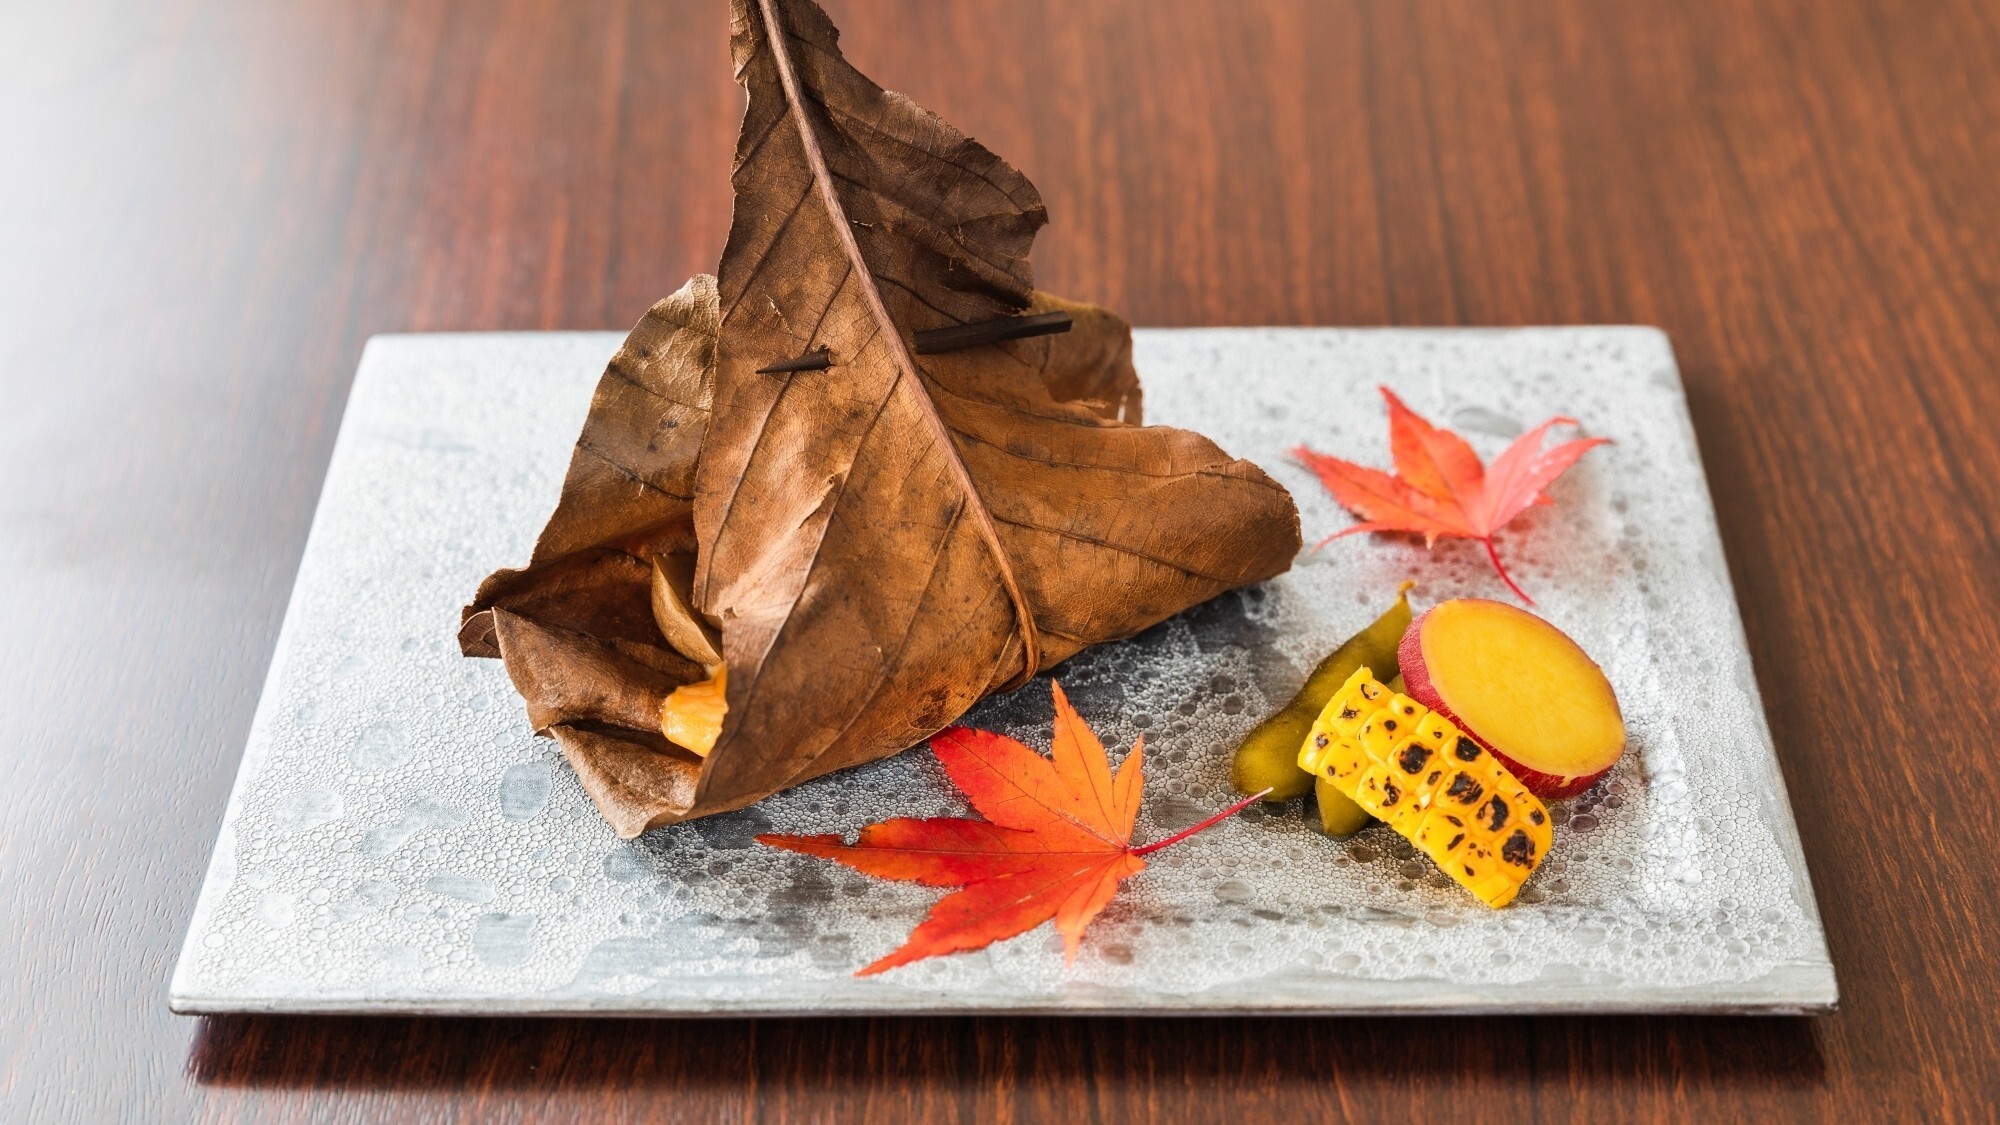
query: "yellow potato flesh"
692, 716
1523, 687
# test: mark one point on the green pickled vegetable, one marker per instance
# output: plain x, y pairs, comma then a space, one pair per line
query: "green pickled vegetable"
1268, 757
1338, 814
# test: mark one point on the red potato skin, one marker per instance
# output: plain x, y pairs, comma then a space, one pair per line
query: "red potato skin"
1417, 685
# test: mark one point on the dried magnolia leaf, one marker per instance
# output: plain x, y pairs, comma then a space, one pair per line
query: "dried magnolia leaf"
630, 775
569, 677
630, 488
881, 543
594, 591
632, 474
1091, 364
673, 611
886, 542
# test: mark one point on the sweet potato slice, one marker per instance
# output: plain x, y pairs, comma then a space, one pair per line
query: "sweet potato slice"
1520, 686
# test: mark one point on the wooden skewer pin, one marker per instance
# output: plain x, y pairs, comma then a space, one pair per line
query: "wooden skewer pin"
818, 359
991, 332
953, 339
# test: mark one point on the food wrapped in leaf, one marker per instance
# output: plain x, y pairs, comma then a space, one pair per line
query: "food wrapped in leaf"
869, 541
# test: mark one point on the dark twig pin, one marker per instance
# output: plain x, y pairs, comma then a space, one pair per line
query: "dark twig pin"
991, 332
818, 359
956, 338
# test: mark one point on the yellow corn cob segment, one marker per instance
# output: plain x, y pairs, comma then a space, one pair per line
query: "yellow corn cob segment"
1412, 767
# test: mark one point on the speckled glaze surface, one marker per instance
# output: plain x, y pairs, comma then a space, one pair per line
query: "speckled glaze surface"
399, 842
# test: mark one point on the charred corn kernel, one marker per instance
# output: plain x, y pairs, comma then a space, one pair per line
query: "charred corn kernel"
1422, 769
1533, 820
1381, 792
1380, 733
1347, 711
1440, 835
1416, 770
1461, 792
1329, 752
1463, 750
1434, 730
1314, 750
1348, 721
1344, 764
1495, 890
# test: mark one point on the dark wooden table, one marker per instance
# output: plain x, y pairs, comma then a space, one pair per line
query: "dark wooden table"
207, 207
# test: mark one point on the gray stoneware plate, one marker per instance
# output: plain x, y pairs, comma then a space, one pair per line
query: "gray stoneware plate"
398, 842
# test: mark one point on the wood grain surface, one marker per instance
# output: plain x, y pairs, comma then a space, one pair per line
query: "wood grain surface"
206, 208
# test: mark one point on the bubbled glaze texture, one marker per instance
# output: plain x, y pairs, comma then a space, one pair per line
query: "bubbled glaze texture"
398, 841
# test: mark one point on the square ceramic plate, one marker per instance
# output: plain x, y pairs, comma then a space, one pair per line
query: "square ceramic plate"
398, 842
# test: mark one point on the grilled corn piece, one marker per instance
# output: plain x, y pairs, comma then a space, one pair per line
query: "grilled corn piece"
1441, 790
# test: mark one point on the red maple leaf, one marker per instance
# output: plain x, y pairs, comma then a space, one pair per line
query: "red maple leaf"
1056, 841
1440, 488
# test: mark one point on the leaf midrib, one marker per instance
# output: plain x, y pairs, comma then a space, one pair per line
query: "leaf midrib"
776, 37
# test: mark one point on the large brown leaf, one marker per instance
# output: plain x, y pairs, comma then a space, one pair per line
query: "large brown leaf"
575, 628
630, 490
881, 542
885, 543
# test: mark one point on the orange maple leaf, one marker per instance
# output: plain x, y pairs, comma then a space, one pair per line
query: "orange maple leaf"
1056, 841
1440, 488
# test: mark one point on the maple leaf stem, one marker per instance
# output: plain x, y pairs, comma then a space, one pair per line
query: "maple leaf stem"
1494, 554
1211, 822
